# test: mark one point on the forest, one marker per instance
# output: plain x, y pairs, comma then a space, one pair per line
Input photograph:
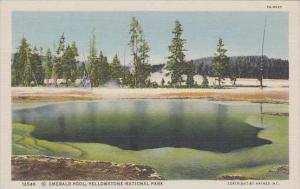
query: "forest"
32, 67
247, 67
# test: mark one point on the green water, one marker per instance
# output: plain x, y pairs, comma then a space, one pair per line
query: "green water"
183, 139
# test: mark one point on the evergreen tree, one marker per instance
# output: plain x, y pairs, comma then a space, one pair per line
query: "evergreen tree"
233, 79
176, 61
13, 76
162, 82
61, 45
247, 67
37, 67
140, 52
190, 71
20, 60
54, 74
204, 83
144, 69
69, 64
232, 73
104, 69
48, 65
94, 66
74, 69
27, 74
220, 63
128, 78
134, 41
81, 71
116, 69
59, 57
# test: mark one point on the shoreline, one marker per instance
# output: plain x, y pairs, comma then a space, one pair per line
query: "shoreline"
43, 94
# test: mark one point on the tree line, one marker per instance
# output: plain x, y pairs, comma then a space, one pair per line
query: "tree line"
247, 67
28, 68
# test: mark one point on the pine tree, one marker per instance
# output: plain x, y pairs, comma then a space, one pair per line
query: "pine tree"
61, 45
176, 61
220, 63
20, 60
13, 76
37, 67
69, 64
128, 78
233, 79
15, 81
145, 69
162, 82
94, 66
54, 74
48, 65
27, 74
59, 57
115, 69
134, 36
104, 69
74, 69
190, 71
205, 82
81, 71
140, 52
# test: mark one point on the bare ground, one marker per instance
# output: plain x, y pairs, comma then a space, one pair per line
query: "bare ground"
278, 169
254, 94
52, 168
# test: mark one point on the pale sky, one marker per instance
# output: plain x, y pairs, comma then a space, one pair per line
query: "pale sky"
241, 32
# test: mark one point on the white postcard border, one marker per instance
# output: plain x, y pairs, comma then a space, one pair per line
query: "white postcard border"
292, 7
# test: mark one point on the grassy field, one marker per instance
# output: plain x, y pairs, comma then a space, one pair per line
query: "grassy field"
176, 163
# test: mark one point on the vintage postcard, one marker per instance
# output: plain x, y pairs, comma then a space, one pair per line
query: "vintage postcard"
149, 94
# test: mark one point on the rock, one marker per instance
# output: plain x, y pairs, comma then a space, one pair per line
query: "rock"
280, 169
53, 168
